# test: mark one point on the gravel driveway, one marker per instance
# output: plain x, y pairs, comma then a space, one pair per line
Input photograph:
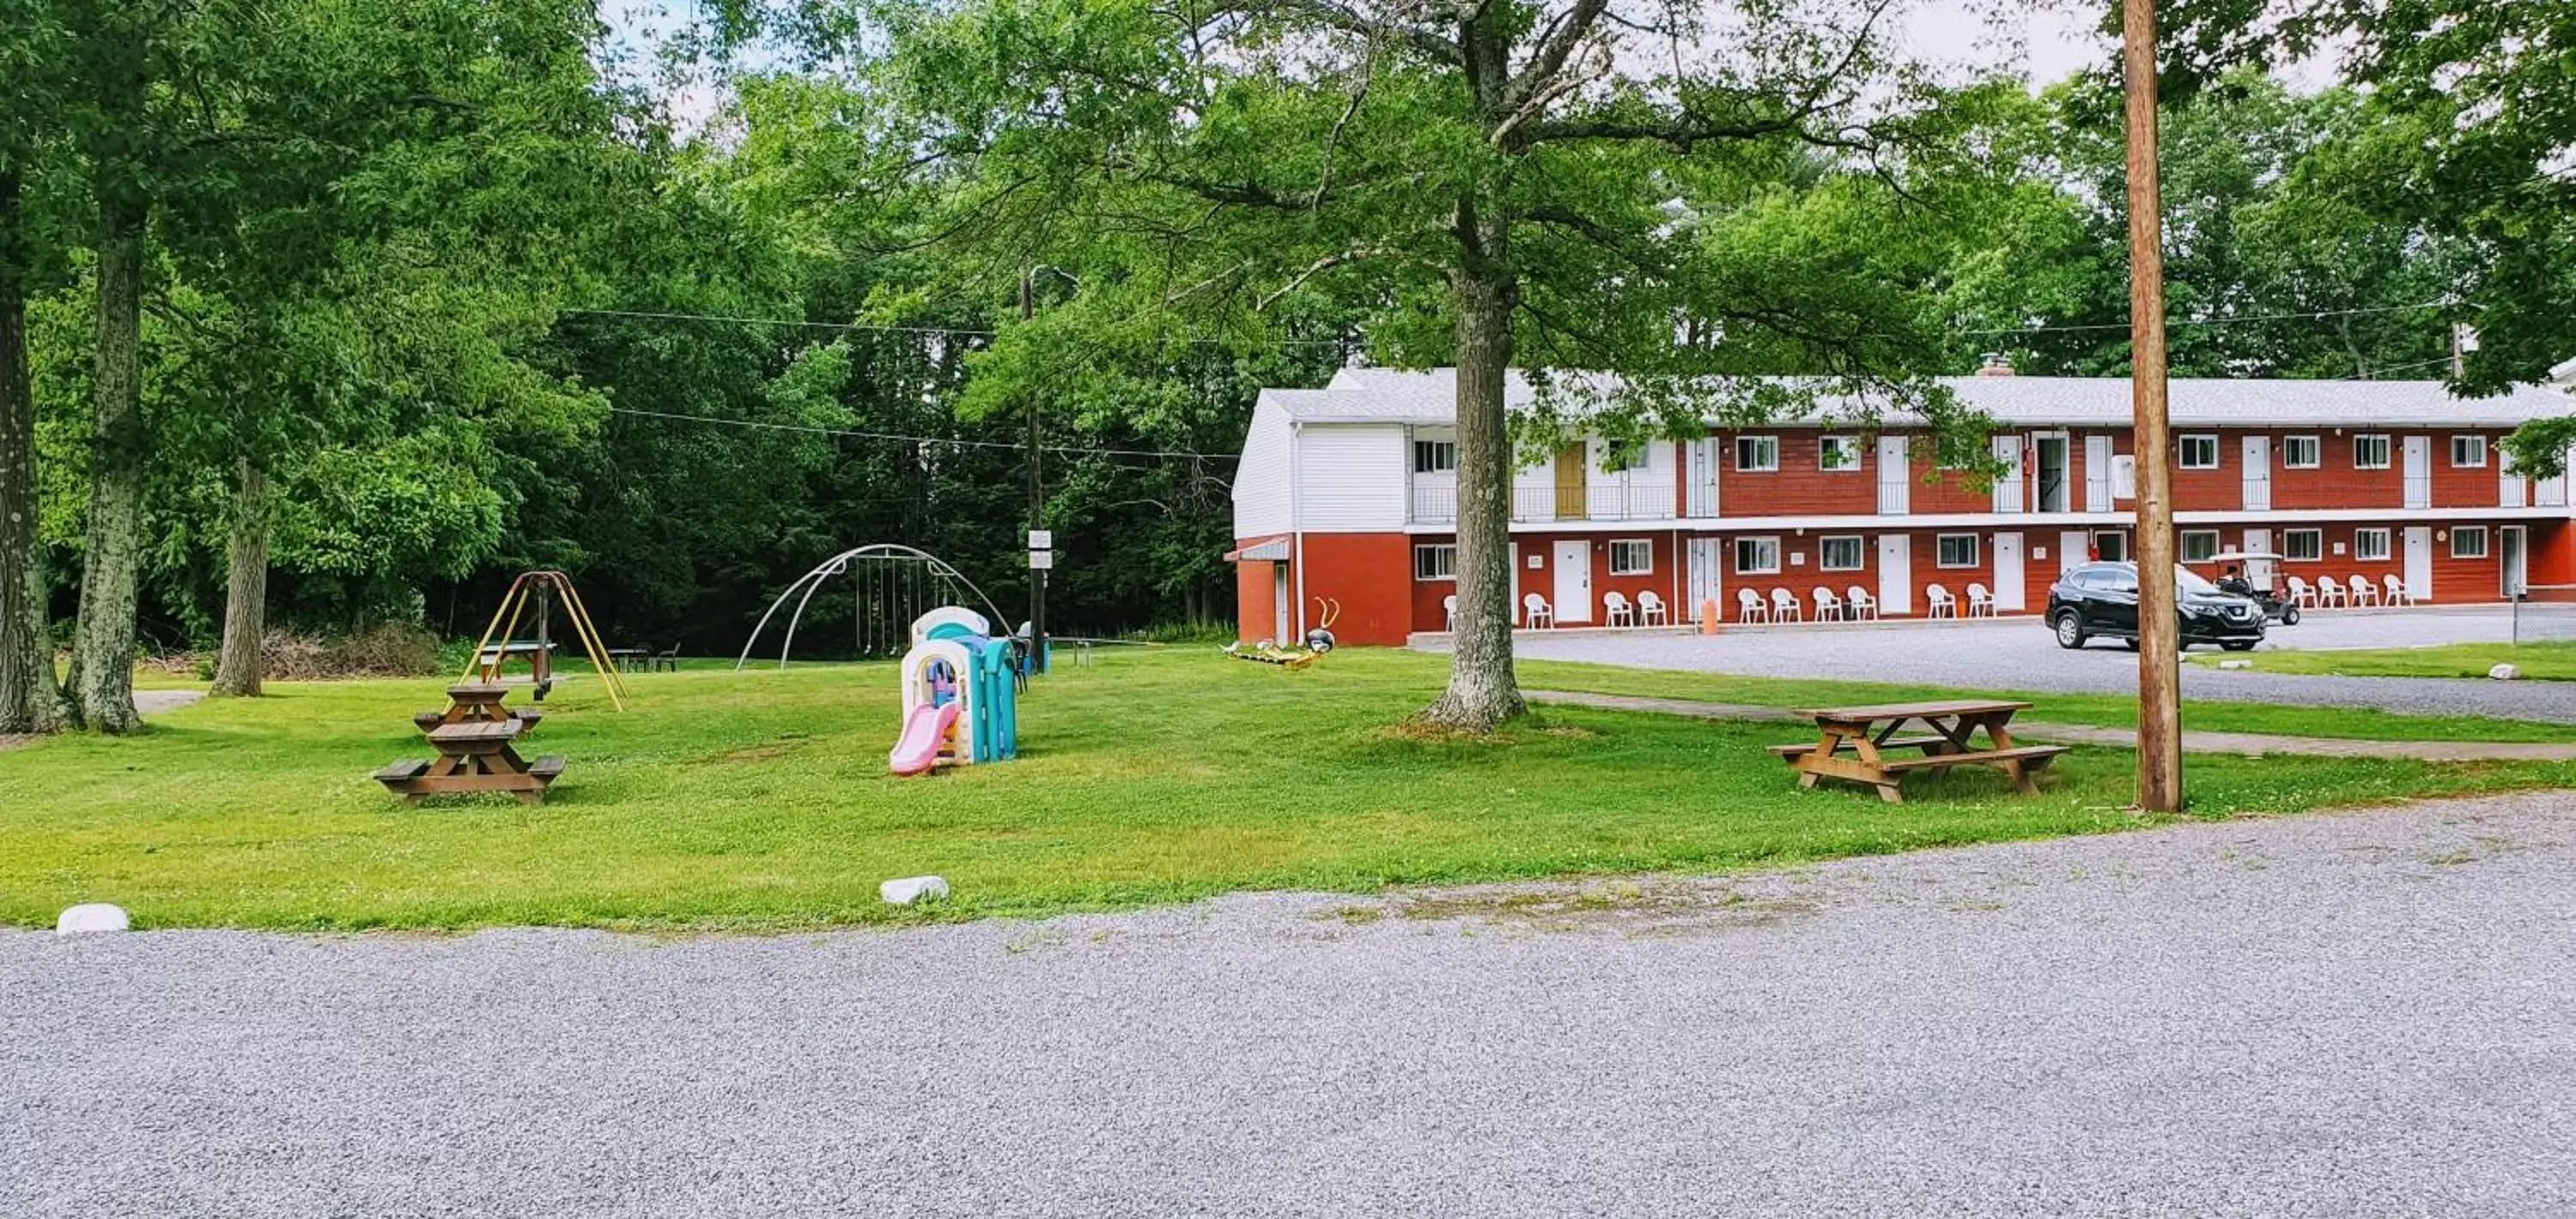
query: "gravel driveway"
2020, 655
2353, 1015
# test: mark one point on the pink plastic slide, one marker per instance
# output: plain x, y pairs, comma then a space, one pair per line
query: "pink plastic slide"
923, 731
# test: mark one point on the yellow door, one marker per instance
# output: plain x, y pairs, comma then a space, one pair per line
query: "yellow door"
1570, 497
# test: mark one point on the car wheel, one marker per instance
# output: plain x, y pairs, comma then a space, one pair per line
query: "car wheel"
2070, 630
2238, 645
2290, 616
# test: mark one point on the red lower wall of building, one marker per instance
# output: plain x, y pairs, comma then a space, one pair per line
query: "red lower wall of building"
1254, 589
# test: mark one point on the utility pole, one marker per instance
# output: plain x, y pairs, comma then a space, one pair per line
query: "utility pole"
1037, 498
2159, 675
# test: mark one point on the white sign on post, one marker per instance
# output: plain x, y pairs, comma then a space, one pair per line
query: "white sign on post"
1041, 539
1041, 560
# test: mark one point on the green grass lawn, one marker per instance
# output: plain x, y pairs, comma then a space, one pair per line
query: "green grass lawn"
761, 800
2550, 661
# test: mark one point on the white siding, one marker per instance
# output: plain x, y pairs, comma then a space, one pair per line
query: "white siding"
1351, 478
1261, 477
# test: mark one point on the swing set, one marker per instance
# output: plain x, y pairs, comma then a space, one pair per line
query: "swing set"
539, 589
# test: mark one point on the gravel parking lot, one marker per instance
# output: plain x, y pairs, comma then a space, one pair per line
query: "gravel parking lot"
2018, 654
2345, 1015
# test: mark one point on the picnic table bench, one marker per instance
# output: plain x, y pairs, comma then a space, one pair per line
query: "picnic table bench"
1853, 744
475, 738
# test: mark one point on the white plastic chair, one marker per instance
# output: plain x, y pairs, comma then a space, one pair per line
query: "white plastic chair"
2301, 594
1650, 610
1449, 606
1829, 608
2398, 593
1749, 607
2364, 592
2329, 593
1862, 604
1620, 613
1938, 603
1980, 601
1785, 606
1535, 608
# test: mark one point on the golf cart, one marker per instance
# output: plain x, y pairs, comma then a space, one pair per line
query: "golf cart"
2256, 574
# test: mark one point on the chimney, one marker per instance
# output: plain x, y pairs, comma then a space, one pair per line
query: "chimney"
1997, 365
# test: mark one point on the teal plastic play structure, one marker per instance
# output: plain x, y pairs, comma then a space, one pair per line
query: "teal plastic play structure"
960, 695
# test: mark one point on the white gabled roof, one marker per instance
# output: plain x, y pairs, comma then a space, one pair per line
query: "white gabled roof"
1381, 395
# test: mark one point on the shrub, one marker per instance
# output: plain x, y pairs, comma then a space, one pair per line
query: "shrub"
387, 649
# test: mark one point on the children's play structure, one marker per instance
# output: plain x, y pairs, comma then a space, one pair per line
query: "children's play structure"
960, 697
892, 588
1318, 642
537, 590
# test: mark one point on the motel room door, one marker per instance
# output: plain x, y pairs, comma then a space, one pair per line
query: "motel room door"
2010, 584
2419, 471
1573, 600
2516, 567
2258, 541
2074, 547
1895, 574
1894, 480
2258, 475
1705, 586
2419, 562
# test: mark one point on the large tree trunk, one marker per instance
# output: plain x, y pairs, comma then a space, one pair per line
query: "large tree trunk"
238, 669
103, 652
1483, 691
29, 699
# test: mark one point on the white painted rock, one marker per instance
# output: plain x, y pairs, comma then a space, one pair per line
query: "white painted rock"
2235, 664
910, 889
2506, 673
91, 917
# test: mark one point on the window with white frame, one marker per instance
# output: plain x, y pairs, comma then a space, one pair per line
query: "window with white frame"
2199, 452
1757, 556
1435, 456
1840, 553
2303, 545
1435, 561
1622, 458
2468, 452
1754, 454
2370, 545
2469, 542
1838, 453
1955, 550
1632, 557
2199, 545
2111, 547
2370, 452
2302, 452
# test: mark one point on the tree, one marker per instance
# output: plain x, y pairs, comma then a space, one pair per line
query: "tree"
1492, 179
30, 700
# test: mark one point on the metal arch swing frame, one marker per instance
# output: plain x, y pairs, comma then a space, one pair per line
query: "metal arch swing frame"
805, 586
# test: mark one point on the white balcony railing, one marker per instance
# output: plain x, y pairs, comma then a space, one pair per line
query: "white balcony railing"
1437, 503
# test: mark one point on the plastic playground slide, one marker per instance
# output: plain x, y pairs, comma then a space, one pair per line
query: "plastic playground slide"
923, 731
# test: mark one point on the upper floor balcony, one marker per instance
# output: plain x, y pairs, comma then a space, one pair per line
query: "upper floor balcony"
1436, 503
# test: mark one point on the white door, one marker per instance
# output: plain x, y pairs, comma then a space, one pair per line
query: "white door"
1573, 600
1895, 574
2511, 488
2258, 474
2072, 549
2259, 571
2419, 562
2517, 571
1705, 587
2419, 471
1703, 478
2008, 577
1279, 604
2008, 497
2097, 474
1893, 476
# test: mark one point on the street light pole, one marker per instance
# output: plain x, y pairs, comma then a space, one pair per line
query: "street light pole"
2159, 657
1037, 498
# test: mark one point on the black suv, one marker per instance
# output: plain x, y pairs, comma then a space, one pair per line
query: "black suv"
2102, 599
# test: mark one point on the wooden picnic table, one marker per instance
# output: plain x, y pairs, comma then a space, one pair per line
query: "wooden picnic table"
1853, 744
475, 738
538, 653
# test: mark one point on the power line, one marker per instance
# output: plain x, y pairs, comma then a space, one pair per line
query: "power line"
948, 331
811, 430
2217, 321
2403, 367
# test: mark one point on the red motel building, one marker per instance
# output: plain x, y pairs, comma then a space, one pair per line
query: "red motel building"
1348, 495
